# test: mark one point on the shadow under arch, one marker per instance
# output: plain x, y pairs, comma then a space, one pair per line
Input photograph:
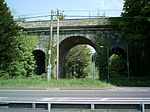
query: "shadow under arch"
66, 45
118, 51
118, 67
39, 57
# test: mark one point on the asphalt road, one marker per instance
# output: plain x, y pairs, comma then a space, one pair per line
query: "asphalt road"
119, 93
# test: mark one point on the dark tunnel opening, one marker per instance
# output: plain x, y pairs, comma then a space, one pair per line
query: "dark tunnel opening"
39, 57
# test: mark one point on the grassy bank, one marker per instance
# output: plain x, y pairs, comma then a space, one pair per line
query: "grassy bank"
131, 81
38, 82
61, 83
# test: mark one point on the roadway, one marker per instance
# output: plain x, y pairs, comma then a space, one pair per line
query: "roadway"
53, 94
118, 94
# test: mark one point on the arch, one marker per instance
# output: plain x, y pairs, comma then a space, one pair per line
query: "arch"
118, 51
39, 57
66, 45
118, 62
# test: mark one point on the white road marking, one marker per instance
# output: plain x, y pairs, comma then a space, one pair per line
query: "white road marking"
93, 99
3, 97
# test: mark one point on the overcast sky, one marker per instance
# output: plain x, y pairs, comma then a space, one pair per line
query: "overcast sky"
77, 7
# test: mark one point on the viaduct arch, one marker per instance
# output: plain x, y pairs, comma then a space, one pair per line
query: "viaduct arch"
73, 32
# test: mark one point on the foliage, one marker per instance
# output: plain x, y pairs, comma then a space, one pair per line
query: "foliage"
77, 60
25, 63
117, 65
135, 27
102, 45
27, 43
53, 59
130, 82
38, 82
8, 32
35, 81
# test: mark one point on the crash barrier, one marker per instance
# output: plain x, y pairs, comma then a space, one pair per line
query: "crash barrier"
49, 106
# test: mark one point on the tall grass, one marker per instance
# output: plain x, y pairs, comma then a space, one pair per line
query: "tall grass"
40, 82
61, 83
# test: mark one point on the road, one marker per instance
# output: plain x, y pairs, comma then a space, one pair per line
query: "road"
125, 93
118, 94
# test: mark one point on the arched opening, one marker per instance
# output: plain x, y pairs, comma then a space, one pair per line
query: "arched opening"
65, 47
78, 62
118, 51
117, 62
39, 57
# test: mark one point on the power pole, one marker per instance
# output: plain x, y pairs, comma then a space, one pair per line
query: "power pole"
108, 63
93, 66
57, 75
128, 66
49, 49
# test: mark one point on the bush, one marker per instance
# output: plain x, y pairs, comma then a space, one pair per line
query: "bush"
117, 65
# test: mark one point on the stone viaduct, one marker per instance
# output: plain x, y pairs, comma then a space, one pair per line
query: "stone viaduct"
72, 32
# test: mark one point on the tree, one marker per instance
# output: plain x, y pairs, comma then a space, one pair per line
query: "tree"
117, 65
26, 44
8, 42
8, 31
15, 46
102, 47
24, 65
135, 27
77, 60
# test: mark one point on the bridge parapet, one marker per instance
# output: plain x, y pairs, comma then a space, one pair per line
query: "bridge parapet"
64, 23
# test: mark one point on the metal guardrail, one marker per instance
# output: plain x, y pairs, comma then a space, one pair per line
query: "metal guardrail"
142, 106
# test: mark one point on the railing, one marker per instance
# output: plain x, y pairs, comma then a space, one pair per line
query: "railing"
49, 106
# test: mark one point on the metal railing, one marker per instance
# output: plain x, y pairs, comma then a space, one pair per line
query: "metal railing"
103, 105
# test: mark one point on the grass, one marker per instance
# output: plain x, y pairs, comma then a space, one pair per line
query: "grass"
131, 81
61, 83
38, 82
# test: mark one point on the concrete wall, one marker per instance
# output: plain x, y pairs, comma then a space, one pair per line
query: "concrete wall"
65, 23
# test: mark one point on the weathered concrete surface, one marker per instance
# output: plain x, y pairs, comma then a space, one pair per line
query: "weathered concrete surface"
65, 23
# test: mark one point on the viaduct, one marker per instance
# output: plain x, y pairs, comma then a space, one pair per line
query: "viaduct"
72, 32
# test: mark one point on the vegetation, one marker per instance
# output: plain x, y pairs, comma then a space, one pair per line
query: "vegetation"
40, 82
135, 25
15, 46
8, 41
24, 65
102, 46
117, 65
77, 60
35, 81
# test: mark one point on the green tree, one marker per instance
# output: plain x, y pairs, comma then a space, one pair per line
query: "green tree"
27, 43
102, 48
77, 60
25, 64
8, 42
15, 46
135, 27
8, 32
117, 65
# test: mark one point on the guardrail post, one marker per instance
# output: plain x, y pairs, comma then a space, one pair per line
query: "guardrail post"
142, 107
92, 106
49, 107
33, 106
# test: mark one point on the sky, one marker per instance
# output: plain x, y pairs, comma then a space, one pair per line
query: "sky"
109, 8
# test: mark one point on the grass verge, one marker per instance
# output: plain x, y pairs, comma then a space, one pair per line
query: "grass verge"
61, 83
38, 82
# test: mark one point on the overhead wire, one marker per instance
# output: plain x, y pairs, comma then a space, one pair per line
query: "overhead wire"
72, 16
